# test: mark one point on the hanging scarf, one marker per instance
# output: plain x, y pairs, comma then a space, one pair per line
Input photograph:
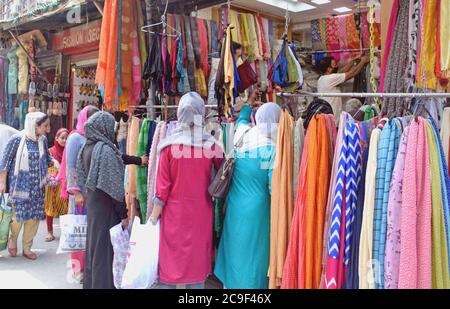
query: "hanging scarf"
57, 150
445, 35
282, 207
392, 252
106, 170
344, 202
440, 270
142, 171
415, 241
136, 58
106, 73
303, 264
388, 44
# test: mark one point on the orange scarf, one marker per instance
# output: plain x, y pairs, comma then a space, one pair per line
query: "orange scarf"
303, 265
281, 200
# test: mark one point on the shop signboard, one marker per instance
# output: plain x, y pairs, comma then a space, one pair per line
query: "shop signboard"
79, 39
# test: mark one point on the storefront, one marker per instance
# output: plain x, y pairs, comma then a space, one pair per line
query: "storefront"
80, 46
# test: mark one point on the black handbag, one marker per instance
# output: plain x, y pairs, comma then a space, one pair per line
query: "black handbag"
221, 183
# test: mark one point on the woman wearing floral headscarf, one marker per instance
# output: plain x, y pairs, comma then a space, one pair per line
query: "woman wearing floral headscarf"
24, 164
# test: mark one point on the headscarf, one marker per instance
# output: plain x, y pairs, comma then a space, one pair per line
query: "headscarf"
57, 150
82, 118
29, 132
190, 126
22, 164
265, 131
106, 171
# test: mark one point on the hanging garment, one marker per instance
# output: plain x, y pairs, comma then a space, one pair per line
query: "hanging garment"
439, 256
281, 200
427, 60
303, 265
332, 38
352, 276
142, 171
141, 34
13, 71
393, 232
413, 30
299, 139
229, 72
415, 241
366, 276
106, 73
160, 134
445, 215
22, 87
331, 192
445, 36
445, 134
190, 53
131, 184
136, 75
397, 64
388, 44
344, 202
386, 155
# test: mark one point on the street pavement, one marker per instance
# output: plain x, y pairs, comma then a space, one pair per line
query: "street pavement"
49, 271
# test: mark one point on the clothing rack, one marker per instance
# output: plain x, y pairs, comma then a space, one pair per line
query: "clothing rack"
169, 106
365, 95
332, 51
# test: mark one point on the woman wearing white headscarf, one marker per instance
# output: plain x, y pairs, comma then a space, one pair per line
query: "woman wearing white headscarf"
24, 166
186, 159
243, 257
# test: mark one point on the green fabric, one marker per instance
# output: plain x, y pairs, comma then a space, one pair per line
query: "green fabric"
253, 40
439, 256
142, 172
244, 32
5, 221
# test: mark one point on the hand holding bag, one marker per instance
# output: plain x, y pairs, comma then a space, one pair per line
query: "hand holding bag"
141, 270
73, 233
221, 183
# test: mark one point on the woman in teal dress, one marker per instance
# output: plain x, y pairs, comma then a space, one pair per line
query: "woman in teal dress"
243, 257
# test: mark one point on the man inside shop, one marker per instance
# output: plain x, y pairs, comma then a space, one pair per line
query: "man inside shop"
331, 78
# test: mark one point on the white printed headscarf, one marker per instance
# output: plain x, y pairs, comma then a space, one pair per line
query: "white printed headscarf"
190, 126
265, 131
29, 132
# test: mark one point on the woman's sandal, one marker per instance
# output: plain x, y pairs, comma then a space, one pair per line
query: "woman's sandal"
12, 251
31, 256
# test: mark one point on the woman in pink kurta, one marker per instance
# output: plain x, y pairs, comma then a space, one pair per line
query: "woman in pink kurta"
186, 159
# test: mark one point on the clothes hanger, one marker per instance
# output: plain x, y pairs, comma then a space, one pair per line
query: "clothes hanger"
164, 24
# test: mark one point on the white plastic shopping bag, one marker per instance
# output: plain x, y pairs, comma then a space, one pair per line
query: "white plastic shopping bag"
120, 240
73, 233
141, 270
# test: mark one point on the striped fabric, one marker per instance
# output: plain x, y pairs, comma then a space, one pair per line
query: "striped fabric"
347, 180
